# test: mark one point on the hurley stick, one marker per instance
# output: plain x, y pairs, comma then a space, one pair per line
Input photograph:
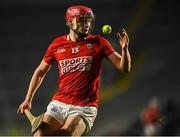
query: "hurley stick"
35, 121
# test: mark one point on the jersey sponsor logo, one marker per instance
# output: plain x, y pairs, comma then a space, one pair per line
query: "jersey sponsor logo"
76, 64
61, 50
75, 49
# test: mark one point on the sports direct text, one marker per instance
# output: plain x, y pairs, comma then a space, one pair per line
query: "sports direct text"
76, 64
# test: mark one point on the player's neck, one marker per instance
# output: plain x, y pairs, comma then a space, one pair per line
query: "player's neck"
74, 36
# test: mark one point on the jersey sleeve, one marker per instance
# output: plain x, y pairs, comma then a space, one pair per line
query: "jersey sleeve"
49, 56
106, 47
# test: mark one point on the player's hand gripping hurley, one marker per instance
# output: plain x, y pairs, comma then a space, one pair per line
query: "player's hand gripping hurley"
35, 121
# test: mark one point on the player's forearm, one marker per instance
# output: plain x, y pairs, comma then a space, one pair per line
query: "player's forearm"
35, 82
125, 63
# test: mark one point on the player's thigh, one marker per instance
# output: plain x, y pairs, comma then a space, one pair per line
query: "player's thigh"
74, 125
49, 126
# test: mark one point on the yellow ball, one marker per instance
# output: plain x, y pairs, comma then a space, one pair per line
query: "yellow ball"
106, 29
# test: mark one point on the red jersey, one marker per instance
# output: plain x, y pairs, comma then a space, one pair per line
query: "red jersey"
79, 66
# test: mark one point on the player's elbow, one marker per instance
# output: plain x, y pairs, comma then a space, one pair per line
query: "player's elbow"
39, 73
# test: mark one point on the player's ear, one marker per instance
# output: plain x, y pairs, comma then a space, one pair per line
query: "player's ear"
67, 23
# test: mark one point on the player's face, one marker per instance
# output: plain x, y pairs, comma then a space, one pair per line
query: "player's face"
85, 24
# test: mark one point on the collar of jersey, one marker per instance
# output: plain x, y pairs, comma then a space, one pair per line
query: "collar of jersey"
68, 37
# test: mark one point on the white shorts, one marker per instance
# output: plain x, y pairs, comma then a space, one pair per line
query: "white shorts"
61, 111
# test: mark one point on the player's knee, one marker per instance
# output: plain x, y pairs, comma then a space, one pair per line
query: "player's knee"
72, 130
67, 131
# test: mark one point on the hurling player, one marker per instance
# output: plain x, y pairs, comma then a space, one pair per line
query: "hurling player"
79, 56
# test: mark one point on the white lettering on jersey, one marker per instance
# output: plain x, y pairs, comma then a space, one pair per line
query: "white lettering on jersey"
61, 50
75, 49
76, 64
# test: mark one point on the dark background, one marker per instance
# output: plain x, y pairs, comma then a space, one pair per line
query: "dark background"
27, 27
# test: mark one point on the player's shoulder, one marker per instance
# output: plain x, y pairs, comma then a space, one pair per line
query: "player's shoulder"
102, 38
59, 39
96, 38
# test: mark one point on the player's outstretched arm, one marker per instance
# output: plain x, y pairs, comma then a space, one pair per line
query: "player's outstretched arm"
35, 82
122, 62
